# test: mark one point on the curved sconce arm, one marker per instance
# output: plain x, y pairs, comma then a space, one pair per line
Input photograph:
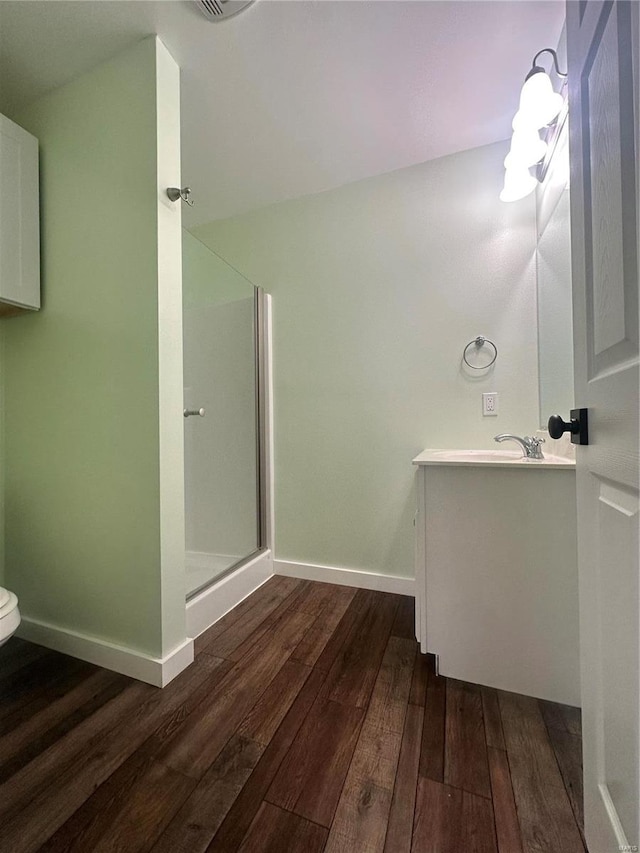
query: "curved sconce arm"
535, 68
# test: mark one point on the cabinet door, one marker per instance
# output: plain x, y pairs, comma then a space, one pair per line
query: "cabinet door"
19, 219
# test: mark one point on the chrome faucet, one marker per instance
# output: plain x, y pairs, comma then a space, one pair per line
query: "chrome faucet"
531, 447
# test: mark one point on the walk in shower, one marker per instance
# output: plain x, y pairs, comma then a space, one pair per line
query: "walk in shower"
223, 379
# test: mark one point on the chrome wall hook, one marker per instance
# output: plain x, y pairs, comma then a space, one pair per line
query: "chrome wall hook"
175, 193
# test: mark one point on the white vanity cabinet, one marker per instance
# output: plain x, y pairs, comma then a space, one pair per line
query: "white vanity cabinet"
496, 571
19, 219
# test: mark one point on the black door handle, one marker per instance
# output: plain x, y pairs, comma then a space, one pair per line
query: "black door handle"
577, 426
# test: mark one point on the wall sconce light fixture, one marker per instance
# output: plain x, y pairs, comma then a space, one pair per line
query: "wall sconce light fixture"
539, 108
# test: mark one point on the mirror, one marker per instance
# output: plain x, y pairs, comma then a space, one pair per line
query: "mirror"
555, 321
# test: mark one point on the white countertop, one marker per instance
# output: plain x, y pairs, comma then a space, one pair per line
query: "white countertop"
492, 459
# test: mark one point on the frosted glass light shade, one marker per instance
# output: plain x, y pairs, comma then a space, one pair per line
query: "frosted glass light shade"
527, 149
539, 104
518, 183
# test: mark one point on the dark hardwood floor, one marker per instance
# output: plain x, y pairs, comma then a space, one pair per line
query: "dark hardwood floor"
308, 722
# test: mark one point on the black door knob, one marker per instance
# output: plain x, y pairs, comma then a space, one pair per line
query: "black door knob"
557, 426
577, 426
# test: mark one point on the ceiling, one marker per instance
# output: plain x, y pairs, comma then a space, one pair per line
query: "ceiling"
299, 96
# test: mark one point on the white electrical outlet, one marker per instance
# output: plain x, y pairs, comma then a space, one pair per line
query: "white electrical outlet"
490, 404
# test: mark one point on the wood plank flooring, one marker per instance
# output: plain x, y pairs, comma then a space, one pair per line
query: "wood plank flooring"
308, 722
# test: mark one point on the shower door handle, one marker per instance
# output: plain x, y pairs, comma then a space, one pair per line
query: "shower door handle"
190, 413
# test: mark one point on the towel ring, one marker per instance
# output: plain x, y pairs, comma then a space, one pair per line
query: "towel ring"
479, 342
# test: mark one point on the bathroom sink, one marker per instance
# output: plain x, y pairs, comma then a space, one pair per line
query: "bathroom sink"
496, 458
480, 456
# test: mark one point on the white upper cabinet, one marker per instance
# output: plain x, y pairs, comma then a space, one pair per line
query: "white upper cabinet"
19, 219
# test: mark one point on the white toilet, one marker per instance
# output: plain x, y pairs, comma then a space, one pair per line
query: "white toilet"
9, 615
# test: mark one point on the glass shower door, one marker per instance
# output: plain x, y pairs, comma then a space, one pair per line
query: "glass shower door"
221, 399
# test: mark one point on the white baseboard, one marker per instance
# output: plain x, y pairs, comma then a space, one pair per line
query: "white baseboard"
212, 603
345, 577
156, 671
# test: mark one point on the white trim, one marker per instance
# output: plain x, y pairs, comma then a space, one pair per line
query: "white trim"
156, 671
345, 577
204, 609
614, 818
268, 421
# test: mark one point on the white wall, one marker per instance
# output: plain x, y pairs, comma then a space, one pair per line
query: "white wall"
170, 373
377, 286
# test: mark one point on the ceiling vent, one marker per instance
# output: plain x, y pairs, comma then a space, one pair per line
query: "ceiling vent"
220, 10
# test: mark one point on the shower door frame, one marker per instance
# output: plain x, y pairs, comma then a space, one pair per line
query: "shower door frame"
262, 426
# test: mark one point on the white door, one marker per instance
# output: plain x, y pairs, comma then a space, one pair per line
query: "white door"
603, 53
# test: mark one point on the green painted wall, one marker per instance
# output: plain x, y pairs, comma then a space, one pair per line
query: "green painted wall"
81, 376
377, 286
